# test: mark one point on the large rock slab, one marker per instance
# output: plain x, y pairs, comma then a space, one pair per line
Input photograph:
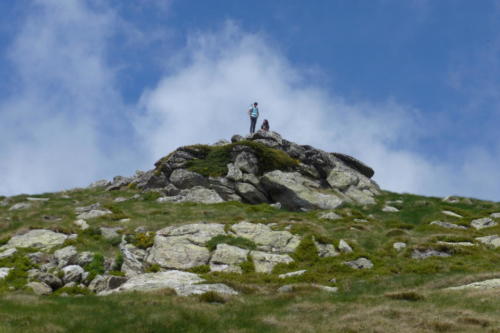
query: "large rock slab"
196, 194
250, 193
480, 285
265, 262
492, 240
267, 239
182, 247
227, 258
485, 222
183, 283
341, 179
296, 192
37, 238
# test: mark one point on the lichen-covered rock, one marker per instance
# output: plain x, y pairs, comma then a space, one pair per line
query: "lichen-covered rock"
330, 216
360, 263
485, 222
426, 253
250, 193
264, 262
110, 232
247, 162
133, 259
92, 214
491, 240
7, 253
344, 247
182, 247
20, 206
66, 256
50, 280
325, 250
39, 288
4, 271
398, 246
37, 238
227, 258
341, 179
448, 225
196, 194
185, 179
297, 192
267, 239
72, 273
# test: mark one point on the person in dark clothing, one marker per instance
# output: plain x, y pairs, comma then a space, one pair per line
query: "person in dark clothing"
253, 112
265, 126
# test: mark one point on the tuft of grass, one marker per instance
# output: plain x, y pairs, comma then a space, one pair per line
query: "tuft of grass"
211, 297
243, 243
154, 268
213, 160
142, 240
248, 266
95, 267
73, 291
202, 269
411, 296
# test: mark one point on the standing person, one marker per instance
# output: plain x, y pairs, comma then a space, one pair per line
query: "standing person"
253, 112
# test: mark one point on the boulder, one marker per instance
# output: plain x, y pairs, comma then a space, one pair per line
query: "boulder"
184, 179
448, 225
297, 192
92, 214
4, 272
291, 274
84, 258
234, 173
7, 253
426, 253
98, 284
37, 238
183, 283
118, 182
344, 247
399, 246
82, 224
66, 256
491, 240
227, 258
267, 239
250, 194
20, 206
264, 262
110, 232
330, 216
360, 263
325, 250
133, 259
482, 223
182, 247
341, 179
452, 214
495, 215
39, 288
72, 273
50, 280
247, 162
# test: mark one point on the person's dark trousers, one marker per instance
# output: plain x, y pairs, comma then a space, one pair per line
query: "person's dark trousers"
253, 121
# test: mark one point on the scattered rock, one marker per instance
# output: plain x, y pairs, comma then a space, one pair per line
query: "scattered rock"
182, 247
485, 222
360, 220
426, 253
98, 284
448, 225
99, 183
360, 263
398, 246
20, 205
183, 283
267, 239
36, 238
296, 273
344, 247
227, 258
296, 192
72, 273
4, 271
329, 216
481, 285
85, 209
84, 258
451, 199
325, 250
66, 256
93, 214
326, 288
50, 280
456, 243
37, 199
39, 288
492, 240
120, 199
110, 233
82, 224
390, 209
452, 214
495, 215
8, 253
265, 262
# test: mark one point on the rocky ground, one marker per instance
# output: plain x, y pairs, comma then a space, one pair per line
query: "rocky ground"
259, 234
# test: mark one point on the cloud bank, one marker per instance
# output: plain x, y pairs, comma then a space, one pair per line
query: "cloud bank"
67, 124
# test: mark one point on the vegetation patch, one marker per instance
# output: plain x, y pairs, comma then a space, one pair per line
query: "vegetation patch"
214, 159
240, 242
95, 267
142, 240
411, 296
211, 297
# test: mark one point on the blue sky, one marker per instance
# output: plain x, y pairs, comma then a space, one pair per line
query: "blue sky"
95, 88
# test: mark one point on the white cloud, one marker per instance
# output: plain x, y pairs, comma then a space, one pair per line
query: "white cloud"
205, 99
59, 128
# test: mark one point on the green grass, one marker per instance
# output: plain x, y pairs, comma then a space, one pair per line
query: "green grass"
214, 159
243, 243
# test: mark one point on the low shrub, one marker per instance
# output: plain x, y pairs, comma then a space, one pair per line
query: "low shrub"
411, 296
211, 297
243, 243
95, 267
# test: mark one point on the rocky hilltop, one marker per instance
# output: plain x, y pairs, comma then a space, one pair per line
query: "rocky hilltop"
291, 237
260, 168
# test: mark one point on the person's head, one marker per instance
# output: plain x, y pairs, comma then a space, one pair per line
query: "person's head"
255, 104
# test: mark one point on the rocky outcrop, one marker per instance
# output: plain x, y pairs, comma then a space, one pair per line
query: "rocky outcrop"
315, 180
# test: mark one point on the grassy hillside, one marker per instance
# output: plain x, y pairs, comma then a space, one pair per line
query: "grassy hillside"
399, 294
